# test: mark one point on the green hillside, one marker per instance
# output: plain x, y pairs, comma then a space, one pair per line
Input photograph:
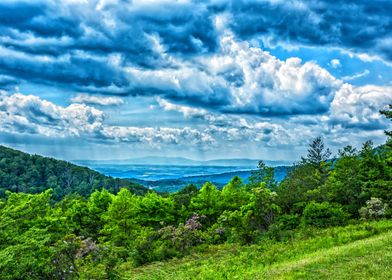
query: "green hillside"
327, 219
22, 172
361, 251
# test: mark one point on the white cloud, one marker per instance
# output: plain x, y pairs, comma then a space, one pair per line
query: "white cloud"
359, 106
28, 114
97, 100
357, 75
260, 83
188, 112
157, 136
240, 78
335, 63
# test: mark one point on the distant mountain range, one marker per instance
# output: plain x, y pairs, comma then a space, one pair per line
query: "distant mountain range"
221, 179
33, 173
169, 174
180, 161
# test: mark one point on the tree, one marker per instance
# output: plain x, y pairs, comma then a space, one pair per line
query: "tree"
98, 204
234, 194
306, 179
344, 185
324, 215
317, 153
265, 174
182, 200
253, 218
207, 202
120, 220
388, 114
155, 211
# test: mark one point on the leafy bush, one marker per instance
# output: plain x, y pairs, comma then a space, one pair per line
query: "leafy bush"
324, 215
374, 209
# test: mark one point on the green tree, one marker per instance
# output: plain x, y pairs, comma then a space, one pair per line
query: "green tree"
207, 202
155, 211
97, 205
121, 226
388, 114
182, 200
344, 185
234, 194
265, 174
306, 179
252, 219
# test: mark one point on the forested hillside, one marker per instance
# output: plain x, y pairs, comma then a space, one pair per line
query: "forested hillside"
326, 208
22, 172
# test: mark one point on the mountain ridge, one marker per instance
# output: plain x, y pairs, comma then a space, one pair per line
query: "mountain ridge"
182, 161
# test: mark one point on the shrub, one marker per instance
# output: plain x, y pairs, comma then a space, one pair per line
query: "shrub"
374, 209
324, 215
283, 227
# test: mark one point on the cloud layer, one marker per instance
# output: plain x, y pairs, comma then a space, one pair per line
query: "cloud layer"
182, 51
204, 65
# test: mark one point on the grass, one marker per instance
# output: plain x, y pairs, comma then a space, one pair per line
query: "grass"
362, 251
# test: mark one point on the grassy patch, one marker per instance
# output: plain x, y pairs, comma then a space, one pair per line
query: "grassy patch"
360, 251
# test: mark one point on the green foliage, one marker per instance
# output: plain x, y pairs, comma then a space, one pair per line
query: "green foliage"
324, 215
207, 202
252, 219
265, 174
374, 209
234, 194
360, 251
21, 172
344, 185
88, 227
120, 227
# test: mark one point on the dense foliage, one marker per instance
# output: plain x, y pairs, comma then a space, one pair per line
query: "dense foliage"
106, 234
22, 172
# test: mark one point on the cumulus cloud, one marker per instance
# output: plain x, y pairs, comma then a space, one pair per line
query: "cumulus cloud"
262, 84
234, 128
157, 136
358, 107
197, 113
241, 79
31, 115
97, 100
199, 58
182, 51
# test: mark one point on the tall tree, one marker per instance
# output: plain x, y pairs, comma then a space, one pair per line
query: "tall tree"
305, 180
388, 114
265, 174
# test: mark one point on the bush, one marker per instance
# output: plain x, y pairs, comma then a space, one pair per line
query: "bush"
324, 215
283, 227
374, 209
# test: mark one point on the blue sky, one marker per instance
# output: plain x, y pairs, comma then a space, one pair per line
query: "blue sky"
114, 79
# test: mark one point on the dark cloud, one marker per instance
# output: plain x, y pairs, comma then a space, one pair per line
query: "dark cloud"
77, 70
7, 82
144, 48
40, 18
361, 26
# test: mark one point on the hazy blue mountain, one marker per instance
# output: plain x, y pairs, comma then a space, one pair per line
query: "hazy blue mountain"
172, 173
220, 179
153, 160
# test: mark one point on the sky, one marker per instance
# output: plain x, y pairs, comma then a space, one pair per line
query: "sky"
116, 79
